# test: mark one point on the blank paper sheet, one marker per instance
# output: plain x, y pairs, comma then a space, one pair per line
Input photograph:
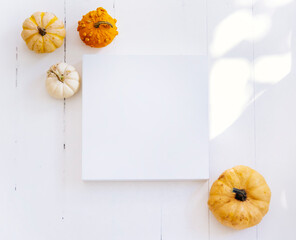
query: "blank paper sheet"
145, 118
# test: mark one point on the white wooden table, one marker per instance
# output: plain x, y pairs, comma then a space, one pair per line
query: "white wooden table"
251, 50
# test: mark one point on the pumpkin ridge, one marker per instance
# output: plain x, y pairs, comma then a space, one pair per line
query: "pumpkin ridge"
67, 86
52, 42
262, 210
43, 44
51, 21
217, 207
29, 38
57, 88
256, 198
253, 205
41, 18
32, 18
260, 182
49, 27
233, 219
65, 73
248, 180
255, 221
220, 205
54, 34
238, 175
224, 180
225, 206
249, 213
38, 50
226, 184
65, 82
34, 45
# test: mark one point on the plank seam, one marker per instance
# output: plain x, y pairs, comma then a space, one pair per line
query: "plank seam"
65, 60
207, 53
16, 66
254, 98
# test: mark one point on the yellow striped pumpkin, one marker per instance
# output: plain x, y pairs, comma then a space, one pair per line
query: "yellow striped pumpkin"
43, 32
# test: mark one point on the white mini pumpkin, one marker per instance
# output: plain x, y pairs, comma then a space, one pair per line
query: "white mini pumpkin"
62, 81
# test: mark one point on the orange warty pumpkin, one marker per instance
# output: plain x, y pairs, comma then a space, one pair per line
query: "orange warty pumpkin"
97, 28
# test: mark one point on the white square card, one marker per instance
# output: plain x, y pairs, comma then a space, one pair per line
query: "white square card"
145, 118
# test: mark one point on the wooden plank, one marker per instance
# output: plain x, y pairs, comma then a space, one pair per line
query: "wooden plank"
183, 205
161, 27
274, 70
231, 95
184, 211
7, 120
39, 149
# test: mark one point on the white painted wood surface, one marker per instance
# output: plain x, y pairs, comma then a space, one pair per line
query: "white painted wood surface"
250, 44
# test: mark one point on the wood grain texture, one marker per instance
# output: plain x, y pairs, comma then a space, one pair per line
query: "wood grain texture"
251, 54
231, 97
274, 65
7, 124
39, 152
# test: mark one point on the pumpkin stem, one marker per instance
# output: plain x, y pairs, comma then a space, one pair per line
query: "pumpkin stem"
97, 24
42, 31
60, 78
240, 194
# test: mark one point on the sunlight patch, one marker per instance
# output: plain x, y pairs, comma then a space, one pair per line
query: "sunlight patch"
273, 68
277, 3
236, 28
231, 90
